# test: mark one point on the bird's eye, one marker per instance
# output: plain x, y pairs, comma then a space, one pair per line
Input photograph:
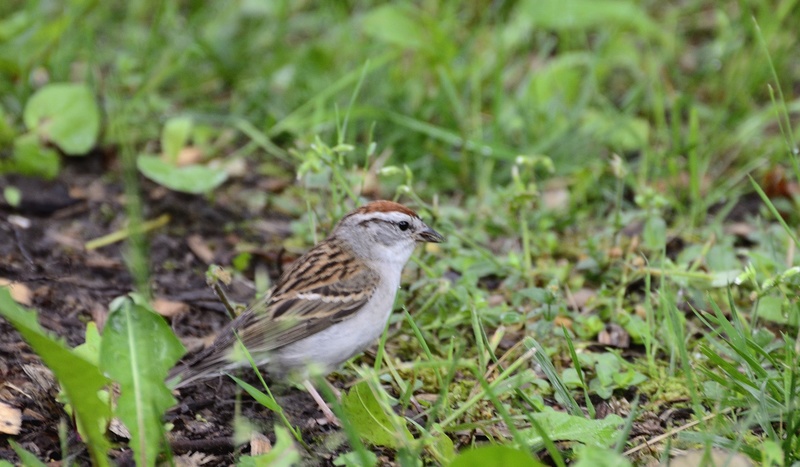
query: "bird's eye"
403, 225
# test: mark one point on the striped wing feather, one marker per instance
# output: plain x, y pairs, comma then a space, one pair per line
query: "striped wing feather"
322, 288
325, 286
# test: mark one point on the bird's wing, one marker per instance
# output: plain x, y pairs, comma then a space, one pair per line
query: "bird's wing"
324, 287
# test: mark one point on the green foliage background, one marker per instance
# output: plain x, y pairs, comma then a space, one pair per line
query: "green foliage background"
564, 146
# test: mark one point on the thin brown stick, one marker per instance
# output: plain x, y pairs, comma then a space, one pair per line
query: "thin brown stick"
223, 297
673, 432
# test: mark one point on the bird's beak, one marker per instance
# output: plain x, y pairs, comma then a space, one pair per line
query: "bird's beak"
429, 235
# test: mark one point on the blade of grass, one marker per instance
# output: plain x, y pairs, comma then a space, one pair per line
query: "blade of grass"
774, 211
552, 375
579, 370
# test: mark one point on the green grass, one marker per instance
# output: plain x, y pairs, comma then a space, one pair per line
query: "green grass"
589, 148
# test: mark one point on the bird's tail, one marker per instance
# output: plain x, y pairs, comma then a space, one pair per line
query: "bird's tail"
220, 357
202, 366
212, 361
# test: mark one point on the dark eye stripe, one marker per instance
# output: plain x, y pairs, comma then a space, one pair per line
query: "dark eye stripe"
366, 222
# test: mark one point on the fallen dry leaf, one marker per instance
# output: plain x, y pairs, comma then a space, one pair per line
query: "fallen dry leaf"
237, 167
259, 444
200, 248
10, 419
581, 297
169, 308
194, 459
189, 155
555, 198
496, 300
19, 291
118, 428
565, 321
97, 260
614, 252
65, 240
614, 335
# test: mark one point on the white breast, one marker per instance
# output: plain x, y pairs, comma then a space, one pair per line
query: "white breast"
333, 346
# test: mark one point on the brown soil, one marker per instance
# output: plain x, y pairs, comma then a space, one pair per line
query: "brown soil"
70, 286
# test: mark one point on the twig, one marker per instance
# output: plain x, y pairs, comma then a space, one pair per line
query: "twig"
224, 299
673, 432
122, 234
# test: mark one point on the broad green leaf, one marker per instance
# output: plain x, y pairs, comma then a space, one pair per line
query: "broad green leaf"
137, 350
495, 456
28, 458
31, 158
570, 15
80, 380
536, 294
12, 196
395, 25
256, 394
655, 233
606, 366
571, 378
370, 420
723, 258
604, 391
242, 261
636, 327
561, 426
725, 278
772, 453
586, 327
443, 448
611, 372
90, 349
628, 378
618, 131
561, 78
66, 114
175, 136
771, 309
593, 456
195, 179
283, 454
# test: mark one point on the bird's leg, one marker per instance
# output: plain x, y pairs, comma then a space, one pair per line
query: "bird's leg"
321, 403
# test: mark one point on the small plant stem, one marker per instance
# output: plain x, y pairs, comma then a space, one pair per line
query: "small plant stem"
127, 232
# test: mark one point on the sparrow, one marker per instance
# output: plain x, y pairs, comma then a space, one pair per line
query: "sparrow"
328, 306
